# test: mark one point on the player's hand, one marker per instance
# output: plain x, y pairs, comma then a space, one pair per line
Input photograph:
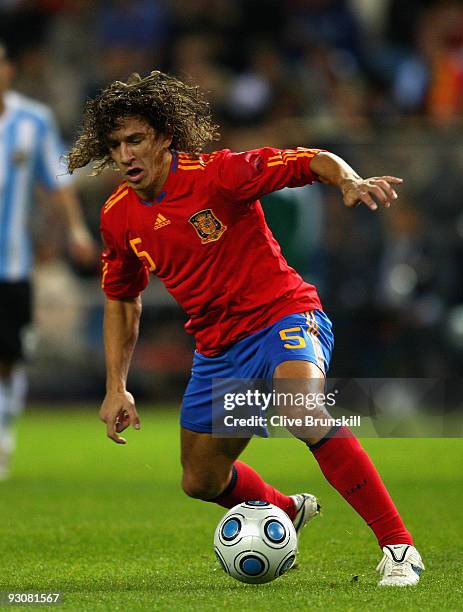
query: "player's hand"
118, 412
370, 191
82, 247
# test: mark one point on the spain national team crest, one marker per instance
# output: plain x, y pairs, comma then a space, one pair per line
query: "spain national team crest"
208, 227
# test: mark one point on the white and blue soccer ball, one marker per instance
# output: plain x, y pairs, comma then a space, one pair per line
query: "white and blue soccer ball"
255, 542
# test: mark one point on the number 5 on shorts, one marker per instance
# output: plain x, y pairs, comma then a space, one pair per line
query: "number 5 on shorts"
288, 334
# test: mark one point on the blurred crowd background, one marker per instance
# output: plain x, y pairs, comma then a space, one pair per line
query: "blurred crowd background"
379, 82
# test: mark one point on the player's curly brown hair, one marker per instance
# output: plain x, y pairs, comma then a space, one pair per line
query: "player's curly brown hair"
169, 105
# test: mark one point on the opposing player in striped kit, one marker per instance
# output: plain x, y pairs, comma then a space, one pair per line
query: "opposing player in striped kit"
195, 221
30, 149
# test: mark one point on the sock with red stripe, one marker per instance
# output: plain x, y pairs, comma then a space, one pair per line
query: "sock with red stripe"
246, 484
348, 468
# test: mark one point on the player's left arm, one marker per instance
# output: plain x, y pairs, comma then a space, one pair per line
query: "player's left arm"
247, 176
355, 190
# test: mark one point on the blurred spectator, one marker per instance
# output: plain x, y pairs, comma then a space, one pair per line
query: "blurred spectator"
132, 23
442, 33
325, 23
196, 59
252, 92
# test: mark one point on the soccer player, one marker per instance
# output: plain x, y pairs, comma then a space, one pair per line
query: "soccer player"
29, 155
194, 220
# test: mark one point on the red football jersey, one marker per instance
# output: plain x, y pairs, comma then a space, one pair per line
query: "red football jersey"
205, 237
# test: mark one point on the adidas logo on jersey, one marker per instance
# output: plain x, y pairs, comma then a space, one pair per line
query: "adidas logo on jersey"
161, 221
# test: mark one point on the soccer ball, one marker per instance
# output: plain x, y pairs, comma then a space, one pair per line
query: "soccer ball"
255, 542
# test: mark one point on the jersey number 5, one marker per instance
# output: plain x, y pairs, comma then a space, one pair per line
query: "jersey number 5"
141, 254
288, 334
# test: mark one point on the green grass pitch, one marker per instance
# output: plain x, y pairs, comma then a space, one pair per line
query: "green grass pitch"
110, 528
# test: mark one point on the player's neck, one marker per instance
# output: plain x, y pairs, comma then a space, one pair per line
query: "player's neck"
151, 192
2, 103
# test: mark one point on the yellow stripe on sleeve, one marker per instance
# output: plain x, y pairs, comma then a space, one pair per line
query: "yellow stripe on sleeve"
116, 193
104, 272
115, 200
197, 167
289, 157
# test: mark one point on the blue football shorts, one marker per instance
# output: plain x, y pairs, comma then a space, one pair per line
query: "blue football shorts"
305, 337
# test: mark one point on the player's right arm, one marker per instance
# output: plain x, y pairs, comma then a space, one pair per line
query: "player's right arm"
121, 324
124, 276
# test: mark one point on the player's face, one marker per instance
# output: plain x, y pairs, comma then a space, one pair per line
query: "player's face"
141, 154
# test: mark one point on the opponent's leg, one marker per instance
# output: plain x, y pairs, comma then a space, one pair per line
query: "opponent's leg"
12, 395
15, 314
348, 468
211, 472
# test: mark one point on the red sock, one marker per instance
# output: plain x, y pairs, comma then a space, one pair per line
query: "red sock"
246, 484
347, 467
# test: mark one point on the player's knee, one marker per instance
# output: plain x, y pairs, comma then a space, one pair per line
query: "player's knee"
204, 487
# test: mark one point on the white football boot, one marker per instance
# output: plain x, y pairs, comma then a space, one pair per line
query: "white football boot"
401, 566
307, 507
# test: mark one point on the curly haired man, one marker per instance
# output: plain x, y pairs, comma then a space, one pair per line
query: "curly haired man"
195, 221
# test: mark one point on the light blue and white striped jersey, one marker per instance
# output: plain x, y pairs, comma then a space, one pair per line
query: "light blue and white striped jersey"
30, 150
